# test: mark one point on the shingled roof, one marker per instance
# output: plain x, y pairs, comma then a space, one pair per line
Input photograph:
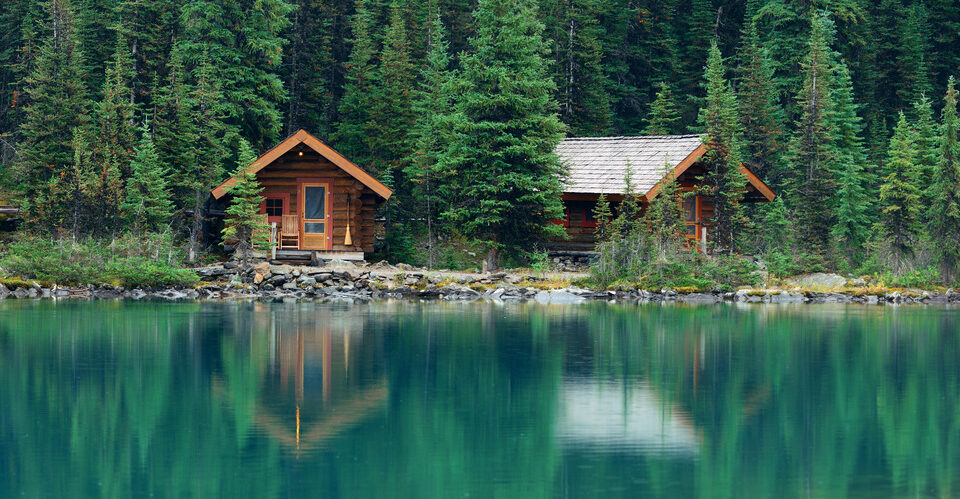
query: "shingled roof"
598, 165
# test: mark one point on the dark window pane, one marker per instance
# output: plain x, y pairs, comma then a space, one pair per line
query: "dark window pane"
314, 205
691, 230
274, 207
588, 214
314, 227
690, 209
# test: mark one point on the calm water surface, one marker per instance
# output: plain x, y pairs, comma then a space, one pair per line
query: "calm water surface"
124, 399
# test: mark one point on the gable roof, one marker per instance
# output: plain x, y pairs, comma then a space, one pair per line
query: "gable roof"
598, 165
302, 137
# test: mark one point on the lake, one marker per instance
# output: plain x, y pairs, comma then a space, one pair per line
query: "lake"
241, 399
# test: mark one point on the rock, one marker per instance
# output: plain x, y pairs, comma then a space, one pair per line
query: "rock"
336, 262
290, 286
557, 297
822, 280
230, 265
497, 293
382, 265
699, 298
785, 297
281, 269
213, 271
307, 281
858, 282
498, 276
404, 266
4, 291
257, 278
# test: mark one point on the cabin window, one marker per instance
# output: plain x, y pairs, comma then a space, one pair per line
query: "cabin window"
588, 219
691, 214
274, 207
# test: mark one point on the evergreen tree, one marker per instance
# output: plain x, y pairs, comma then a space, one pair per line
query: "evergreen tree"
899, 196
391, 114
944, 213
855, 180
913, 54
760, 111
604, 217
812, 153
147, 205
700, 33
664, 220
777, 233
577, 65
433, 105
508, 177
351, 136
310, 70
664, 116
58, 103
244, 223
928, 148
720, 125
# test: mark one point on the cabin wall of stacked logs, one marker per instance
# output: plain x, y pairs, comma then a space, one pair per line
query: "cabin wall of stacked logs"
281, 177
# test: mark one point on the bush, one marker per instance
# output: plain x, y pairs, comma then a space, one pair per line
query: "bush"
730, 272
151, 260
928, 277
789, 263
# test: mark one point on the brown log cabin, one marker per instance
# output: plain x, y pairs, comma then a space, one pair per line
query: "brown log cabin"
599, 166
326, 194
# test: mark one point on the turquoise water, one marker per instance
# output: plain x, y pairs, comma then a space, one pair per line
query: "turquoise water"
121, 399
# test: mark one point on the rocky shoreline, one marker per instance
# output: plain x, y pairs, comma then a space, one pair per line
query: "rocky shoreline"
344, 281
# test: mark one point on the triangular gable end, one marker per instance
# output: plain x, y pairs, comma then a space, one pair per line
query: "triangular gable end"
691, 159
302, 137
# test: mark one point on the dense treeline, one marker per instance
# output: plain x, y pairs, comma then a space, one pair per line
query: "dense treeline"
118, 115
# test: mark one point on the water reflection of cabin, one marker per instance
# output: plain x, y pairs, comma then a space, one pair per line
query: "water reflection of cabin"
599, 166
322, 194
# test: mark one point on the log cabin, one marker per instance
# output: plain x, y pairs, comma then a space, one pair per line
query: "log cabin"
327, 201
598, 165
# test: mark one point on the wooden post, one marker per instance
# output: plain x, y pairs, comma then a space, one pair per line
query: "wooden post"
273, 240
703, 240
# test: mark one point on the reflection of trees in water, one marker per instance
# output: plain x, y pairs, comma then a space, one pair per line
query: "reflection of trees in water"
448, 399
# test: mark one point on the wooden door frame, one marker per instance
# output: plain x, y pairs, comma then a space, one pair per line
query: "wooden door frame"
328, 207
698, 215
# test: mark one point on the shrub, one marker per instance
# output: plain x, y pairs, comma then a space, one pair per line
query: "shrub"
151, 260
789, 263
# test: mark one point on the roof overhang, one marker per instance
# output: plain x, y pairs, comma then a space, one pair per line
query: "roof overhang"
302, 137
692, 158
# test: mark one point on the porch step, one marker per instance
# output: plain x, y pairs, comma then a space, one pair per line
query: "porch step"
306, 256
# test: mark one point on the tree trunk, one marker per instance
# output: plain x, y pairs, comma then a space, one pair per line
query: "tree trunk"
492, 261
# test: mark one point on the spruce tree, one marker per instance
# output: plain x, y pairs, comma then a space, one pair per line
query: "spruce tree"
147, 206
913, 54
899, 196
724, 179
928, 148
432, 105
944, 212
664, 116
351, 137
760, 111
390, 111
244, 223
812, 154
664, 218
604, 217
697, 36
58, 103
506, 128
310, 68
576, 35
853, 200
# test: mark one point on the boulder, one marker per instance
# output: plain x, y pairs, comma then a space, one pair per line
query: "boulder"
281, 269
336, 262
822, 280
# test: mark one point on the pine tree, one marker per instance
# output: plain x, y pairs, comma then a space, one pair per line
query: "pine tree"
664, 116
577, 68
433, 105
944, 213
508, 178
913, 54
777, 233
147, 206
390, 111
812, 153
854, 177
58, 103
244, 222
664, 220
760, 111
700, 32
310, 69
720, 126
604, 217
350, 136
899, 195
928, 148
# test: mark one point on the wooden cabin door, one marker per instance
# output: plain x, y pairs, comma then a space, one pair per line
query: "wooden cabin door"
316, 220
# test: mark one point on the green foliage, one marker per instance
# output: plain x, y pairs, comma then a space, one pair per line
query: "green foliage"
724, 180
923, 278
147, 206
150, 260
900, 196
244, 224
361, 78
760, 111
944, 213
507, 184
664, 116
782, 263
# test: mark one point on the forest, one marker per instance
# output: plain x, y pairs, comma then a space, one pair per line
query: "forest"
118, 116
